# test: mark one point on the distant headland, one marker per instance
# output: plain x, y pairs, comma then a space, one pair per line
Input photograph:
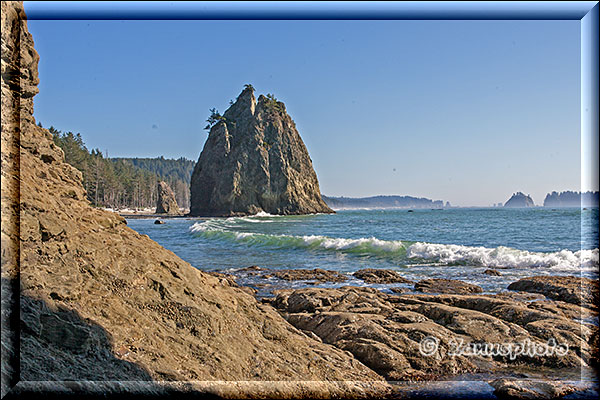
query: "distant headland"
383, 202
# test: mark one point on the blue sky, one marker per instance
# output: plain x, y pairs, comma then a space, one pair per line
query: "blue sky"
464, 111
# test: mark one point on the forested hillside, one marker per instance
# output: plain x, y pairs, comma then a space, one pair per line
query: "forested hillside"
124, 182
176, 173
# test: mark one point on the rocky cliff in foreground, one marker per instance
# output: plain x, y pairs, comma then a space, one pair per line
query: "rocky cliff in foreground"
254, 160
100, 302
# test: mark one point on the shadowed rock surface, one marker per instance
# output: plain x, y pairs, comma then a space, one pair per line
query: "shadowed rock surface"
99, 299
446, 286
254, 160
372, 275
386, 331
572, 289
166, 203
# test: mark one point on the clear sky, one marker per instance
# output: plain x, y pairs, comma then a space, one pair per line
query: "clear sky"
463, 111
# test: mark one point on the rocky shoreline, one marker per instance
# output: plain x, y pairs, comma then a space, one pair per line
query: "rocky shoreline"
386, 332
90, 306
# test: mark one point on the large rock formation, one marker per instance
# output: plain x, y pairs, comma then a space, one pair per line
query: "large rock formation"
254, 160
165, 202
100, 302
519, 200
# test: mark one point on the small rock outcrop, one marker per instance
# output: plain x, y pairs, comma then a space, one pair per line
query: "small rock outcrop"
446, 286
531, 389
254, 160
372, 275
492, 272
519, 200
166, 203
316, 274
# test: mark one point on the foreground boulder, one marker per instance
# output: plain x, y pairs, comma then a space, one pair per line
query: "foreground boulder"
99, 302
166, 203
254, 160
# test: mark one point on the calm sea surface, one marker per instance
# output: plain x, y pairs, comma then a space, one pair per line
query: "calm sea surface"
451, 243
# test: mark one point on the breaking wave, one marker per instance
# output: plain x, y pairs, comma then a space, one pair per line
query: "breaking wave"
505, 257
362, 246
405, 252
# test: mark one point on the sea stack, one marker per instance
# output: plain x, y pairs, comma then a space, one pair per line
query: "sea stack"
166, 203
519, 200
255, 161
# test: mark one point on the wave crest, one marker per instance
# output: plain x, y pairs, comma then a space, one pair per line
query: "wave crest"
406, 252
503, 256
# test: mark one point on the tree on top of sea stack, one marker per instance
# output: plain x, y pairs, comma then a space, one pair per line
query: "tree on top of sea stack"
254, 160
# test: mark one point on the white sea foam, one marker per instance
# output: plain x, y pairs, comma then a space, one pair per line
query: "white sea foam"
263, 214
374, 246
504, 256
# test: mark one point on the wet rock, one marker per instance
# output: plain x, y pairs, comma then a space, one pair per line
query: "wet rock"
523, 389
492, 272
372, 275
159, 222
572, 289
317, 274
399, 290
446, 286
252, 268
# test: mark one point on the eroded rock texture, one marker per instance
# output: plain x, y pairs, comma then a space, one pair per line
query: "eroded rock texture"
100, 301
389, 333
254, 160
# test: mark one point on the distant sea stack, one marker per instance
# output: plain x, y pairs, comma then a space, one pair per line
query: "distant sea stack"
571, 199
166, 203
519, 200
254, 160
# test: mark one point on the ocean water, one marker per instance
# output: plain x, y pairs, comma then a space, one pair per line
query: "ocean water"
458, 243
